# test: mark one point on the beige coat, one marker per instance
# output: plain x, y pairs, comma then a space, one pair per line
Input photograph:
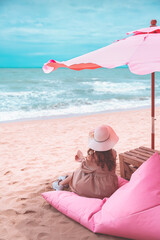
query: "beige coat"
92, 181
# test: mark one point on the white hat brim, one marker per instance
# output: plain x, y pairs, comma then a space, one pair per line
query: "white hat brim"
105, 145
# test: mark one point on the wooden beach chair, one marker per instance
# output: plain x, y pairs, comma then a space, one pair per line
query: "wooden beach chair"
131, 160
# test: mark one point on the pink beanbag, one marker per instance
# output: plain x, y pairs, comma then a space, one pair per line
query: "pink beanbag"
133, 211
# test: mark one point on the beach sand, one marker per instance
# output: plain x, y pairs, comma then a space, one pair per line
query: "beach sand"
34, 153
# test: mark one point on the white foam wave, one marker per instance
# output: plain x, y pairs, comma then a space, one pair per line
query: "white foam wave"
28, 93
119, 87
95, 107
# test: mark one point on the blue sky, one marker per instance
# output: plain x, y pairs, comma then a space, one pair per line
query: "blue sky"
34, 31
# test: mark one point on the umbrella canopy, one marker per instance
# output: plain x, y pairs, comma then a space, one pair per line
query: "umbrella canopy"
140, 51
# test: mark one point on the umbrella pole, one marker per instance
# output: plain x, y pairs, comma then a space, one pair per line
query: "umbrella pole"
153, 24
152, 109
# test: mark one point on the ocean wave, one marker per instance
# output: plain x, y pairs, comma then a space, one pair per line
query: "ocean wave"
29, 93
120, 87
60, 110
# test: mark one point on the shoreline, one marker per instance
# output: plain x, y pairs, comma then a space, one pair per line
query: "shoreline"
77, 114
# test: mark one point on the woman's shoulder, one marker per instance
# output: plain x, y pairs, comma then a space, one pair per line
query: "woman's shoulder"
88, 165
92, 166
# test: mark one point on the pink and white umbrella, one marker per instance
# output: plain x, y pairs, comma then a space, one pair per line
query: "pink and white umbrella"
140, 51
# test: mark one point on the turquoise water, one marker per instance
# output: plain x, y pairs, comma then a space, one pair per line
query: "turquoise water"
30, 93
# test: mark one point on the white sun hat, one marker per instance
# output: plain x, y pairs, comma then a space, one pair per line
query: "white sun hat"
103, 138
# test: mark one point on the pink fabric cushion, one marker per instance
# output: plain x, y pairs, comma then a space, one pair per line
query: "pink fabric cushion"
133, 211
74, 206
78, 208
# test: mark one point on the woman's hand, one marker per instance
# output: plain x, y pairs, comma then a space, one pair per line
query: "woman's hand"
79, 156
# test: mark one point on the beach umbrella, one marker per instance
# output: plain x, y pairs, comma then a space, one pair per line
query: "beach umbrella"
140, 51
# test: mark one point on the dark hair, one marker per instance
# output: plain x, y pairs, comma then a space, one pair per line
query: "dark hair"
103, 158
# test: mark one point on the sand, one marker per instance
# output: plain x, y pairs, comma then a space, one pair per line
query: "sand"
34, 153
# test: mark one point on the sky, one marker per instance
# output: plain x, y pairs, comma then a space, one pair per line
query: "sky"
34, 31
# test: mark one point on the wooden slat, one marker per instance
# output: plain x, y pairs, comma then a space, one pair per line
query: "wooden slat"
150, 150
129, 168
133, 157
122, 172
126, 168
133, 162
141, 154
142, 151
133, 168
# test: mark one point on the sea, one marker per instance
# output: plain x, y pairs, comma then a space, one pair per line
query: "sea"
29, 93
